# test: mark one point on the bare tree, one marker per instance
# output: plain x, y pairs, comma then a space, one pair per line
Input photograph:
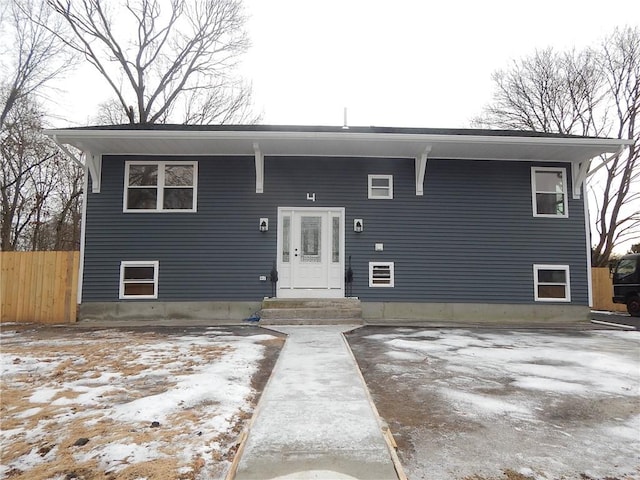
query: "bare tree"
594, 92
30, 167
183, 53
618, 217
33, 54
24, 154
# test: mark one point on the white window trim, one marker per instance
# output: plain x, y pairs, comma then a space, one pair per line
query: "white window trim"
139, 263
534, 191
376, 177
160, 186
537, 268
391, 272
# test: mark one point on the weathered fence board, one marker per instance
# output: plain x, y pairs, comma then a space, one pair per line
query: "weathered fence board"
603, 291
38, 286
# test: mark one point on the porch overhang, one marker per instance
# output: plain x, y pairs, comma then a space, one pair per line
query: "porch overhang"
264, 141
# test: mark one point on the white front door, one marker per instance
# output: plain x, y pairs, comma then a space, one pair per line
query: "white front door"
310, 252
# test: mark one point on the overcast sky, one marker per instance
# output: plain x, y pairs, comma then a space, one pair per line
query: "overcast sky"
415, 63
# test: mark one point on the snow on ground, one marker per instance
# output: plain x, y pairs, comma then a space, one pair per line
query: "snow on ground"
152, 405
546, 403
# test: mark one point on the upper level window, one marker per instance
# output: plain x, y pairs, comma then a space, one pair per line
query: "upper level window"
549, 188
160, 186
381, 186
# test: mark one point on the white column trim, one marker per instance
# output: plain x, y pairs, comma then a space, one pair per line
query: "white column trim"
83, 233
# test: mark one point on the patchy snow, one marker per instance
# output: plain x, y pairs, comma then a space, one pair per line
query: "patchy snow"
117, 456
109, 386
405, 356
545, 404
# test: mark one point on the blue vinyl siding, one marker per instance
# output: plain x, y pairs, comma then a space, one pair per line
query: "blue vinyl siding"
472, 237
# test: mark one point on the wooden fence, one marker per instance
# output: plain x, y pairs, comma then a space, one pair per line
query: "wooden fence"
603, 291
38, 286
42, 287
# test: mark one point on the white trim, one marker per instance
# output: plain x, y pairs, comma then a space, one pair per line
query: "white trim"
391, 267
160, 186
587, 234
388, 196
139, 263
567, 284
323, 292
83, 232
62, 135
534, 192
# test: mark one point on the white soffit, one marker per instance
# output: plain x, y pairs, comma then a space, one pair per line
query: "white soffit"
335, 144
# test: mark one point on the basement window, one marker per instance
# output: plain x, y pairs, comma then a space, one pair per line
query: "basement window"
139, 279
551, 283
381, 274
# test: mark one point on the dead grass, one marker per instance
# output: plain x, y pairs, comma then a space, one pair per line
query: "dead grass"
85, 362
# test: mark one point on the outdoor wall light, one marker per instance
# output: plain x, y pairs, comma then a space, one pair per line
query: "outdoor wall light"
264, 224
358, 225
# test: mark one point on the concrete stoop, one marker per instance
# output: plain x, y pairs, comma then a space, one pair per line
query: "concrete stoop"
311, 311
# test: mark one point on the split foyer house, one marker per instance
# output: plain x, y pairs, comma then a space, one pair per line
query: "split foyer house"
430, 224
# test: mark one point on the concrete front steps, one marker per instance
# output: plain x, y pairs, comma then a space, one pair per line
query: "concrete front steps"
311, 311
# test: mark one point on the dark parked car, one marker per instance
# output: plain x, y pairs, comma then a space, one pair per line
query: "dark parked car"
626, 283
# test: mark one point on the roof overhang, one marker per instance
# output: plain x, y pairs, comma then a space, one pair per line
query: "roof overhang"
261, 141
336, 144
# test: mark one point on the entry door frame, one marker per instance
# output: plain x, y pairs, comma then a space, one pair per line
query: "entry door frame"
334, 286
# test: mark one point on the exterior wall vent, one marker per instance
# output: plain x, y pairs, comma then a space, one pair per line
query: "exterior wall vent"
381, 274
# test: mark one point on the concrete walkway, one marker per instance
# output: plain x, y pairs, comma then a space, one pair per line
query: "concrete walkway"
315, 420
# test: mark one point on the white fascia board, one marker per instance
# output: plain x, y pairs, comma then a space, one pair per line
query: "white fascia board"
69, 135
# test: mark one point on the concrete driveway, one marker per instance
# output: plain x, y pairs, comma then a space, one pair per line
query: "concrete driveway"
495, 404
622, 320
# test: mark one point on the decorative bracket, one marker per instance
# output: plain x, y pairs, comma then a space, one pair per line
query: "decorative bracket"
259, 168
421, 169
579, 173
94, 165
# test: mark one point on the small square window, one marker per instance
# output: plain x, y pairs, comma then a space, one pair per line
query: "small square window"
380, 187
551, 283
139, 279
381, 274
549, 192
